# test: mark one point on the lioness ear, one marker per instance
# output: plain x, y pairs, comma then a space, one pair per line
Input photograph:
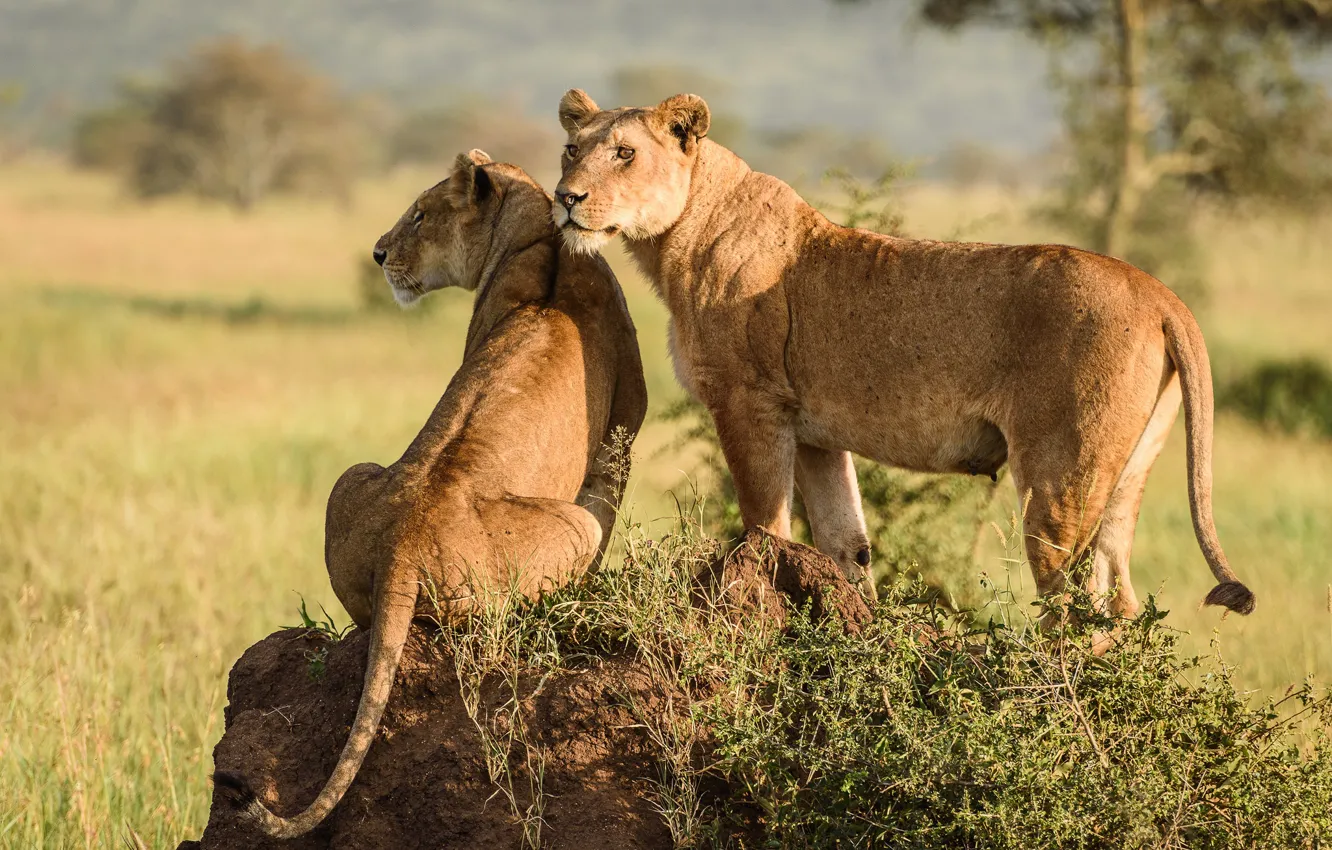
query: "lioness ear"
686, 117
575, 110
479, 156
469, 180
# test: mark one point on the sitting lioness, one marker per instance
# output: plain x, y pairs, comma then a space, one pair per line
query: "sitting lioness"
808, 341
507, 484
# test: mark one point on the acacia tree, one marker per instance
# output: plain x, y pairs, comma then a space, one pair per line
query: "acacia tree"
237, 123
1166, 99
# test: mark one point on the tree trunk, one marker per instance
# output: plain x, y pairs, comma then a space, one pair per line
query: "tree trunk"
1126, 194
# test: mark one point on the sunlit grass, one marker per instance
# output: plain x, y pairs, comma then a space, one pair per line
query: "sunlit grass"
165, 468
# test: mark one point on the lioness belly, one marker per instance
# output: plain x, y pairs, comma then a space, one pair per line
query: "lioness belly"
947, 442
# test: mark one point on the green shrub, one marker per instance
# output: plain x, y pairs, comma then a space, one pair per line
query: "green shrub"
1294, 396
921, 731
1009, 739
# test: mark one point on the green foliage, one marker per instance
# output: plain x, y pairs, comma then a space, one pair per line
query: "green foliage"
921, 731
710, 481
1292, 396
318, 659
928, 527
1237, 94
917, 733
111, 138
872, 205
325, 628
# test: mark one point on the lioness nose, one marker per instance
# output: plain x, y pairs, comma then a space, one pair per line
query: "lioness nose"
380, 256
569, 198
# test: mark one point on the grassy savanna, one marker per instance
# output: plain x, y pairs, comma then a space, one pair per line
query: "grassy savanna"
181, 385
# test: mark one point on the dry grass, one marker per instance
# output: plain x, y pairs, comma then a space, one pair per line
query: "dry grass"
167, 457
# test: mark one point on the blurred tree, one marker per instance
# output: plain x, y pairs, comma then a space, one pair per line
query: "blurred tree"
233, 122
1166, 99
110, 138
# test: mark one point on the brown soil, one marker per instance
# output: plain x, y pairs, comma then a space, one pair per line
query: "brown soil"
425, 782
763, 576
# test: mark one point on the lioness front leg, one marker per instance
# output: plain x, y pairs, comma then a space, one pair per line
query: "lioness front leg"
827, 482
603, 489
758, 443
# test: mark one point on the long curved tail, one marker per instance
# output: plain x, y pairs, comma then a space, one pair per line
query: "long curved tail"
395, 606
1185, 343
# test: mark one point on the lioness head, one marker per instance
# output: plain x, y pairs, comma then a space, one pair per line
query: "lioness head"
445, 235
625, 170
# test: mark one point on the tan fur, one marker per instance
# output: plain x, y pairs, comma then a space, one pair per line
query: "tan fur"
506, 485
807, 340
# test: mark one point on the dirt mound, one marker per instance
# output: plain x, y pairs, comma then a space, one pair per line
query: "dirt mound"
425, 782
764, 576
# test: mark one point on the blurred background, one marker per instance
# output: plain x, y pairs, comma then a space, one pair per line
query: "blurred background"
194, 343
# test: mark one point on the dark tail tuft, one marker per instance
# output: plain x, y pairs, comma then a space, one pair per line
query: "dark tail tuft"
1232, 595
234, 788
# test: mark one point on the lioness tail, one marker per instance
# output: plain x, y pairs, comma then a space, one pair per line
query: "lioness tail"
395, 607
1185, 344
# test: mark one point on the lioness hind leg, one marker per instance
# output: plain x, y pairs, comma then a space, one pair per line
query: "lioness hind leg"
538, 544
1060, 522
1114, 542
827, 482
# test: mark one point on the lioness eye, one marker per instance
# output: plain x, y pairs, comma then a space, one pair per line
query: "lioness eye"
571, 151
625, 154
418, 218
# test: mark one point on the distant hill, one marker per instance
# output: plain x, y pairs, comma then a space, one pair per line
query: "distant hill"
787, 63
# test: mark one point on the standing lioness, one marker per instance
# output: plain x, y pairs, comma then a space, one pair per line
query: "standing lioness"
808, 341
506, 486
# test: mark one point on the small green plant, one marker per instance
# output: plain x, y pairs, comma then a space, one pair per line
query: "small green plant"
869, 205
616, 456
921, 732
318, 659
325, 628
